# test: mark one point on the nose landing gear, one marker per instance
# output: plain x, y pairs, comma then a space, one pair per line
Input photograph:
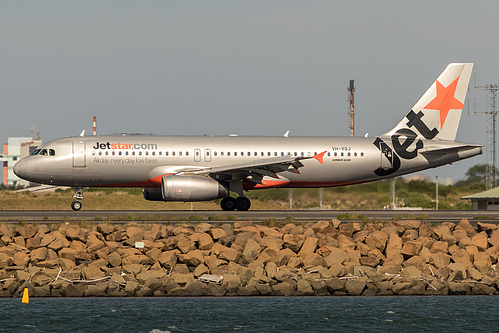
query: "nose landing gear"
76, 205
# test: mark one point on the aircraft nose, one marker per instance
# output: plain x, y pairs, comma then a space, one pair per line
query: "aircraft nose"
20, 168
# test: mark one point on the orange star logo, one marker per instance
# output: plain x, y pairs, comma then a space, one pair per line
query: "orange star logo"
445, 101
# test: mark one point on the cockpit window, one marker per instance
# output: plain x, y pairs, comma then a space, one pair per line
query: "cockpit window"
44, 152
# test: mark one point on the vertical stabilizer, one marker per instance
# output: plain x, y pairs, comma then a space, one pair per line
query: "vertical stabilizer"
437, 113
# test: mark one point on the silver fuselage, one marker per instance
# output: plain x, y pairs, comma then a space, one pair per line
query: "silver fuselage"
142, 160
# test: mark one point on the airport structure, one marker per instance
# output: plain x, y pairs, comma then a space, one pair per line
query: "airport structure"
14, 150
488, 200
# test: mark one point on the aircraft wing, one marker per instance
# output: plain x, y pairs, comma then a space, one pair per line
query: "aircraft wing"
254, 171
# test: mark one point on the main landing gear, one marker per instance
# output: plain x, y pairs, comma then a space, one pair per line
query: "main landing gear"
240, 204
76, 205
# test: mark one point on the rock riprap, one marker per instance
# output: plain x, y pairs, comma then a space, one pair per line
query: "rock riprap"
245, 259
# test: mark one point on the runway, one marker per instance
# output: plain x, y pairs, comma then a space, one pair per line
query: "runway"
158, 216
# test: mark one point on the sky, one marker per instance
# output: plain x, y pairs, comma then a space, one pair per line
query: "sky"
247, 67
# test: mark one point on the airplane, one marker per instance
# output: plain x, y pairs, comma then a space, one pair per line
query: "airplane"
201, 168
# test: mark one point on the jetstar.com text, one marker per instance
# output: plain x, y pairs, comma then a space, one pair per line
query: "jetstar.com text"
108, 145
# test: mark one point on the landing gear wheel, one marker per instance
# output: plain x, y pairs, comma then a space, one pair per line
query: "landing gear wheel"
243, 204
228, 204
76, 205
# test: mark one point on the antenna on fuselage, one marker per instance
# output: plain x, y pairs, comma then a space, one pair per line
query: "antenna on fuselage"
82, 133
286, 134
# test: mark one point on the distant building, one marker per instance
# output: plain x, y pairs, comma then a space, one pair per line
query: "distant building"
488, 200
14, 150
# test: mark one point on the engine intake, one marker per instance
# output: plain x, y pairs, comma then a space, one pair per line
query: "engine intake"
152, 194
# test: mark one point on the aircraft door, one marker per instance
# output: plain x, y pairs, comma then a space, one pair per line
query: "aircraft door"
386, 156
79, 158
197, 155
207, 155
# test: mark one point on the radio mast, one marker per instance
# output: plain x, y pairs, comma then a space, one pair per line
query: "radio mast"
491, 112
351, 92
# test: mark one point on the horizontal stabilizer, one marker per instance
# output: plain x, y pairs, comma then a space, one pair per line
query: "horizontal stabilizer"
447, 150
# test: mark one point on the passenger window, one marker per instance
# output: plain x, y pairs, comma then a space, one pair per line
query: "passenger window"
147, 153
179, 153
235, 153
186, 153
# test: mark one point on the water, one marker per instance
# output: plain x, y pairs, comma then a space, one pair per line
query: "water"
252, 314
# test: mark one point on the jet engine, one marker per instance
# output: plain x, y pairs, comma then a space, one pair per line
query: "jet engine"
186, 188
191, 188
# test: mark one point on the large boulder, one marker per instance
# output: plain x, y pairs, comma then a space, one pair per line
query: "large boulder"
480, 241
304, 288
411, 248
377, 240
293, 242
250, 252
355, 287
466, 226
